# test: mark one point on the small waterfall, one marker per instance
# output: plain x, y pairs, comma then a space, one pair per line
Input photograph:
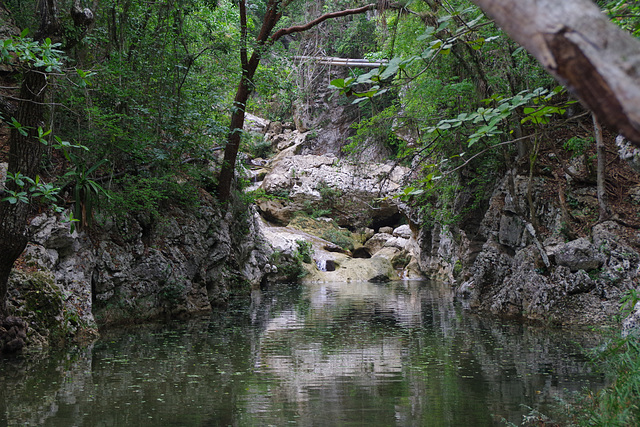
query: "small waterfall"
326, 264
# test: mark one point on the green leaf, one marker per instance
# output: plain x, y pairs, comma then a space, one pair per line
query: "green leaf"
337, 84
517, 51
391, 69
428, 33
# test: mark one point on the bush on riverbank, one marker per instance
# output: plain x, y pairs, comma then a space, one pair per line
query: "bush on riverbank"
618, 404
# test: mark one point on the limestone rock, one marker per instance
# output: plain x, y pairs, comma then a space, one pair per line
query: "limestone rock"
628, 152
276, 211
403, 231
388, 252
3, 174
367, 233
579, 254
622, 261
412, 270
631, 325
573, 283
511, 231
254, 123
140, 268
397, 242
377, 242
356, 270
351, 192
502, 269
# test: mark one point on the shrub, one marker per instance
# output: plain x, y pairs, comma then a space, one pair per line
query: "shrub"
304, 251
341, 238
578, 146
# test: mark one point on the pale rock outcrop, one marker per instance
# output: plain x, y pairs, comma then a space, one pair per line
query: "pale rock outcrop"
351, 192
403, 231
3, 174
397, 242
631, 325
253, 123
376, 269
389, 252
399, 247
377, 242
329, 265
412, 270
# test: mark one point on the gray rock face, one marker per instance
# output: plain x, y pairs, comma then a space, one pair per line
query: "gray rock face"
505, 269
628, 152
178, 265
70, 259
331, 118
511, 231
579, 254
631, 325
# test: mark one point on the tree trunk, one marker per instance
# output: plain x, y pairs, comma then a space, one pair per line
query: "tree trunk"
25, 155
225, 179
603, 210
245, 87
577, 43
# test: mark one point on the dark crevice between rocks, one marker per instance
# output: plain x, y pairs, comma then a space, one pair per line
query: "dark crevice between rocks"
388, 221
361, 252
13, 335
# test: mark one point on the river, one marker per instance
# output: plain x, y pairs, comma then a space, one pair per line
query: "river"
336, 354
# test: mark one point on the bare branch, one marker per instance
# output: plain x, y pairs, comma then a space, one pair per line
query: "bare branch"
321, 19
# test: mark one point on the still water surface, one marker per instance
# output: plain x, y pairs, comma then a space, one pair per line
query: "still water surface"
341, 354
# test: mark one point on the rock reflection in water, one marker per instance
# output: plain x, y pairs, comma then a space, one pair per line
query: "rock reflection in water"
336, 353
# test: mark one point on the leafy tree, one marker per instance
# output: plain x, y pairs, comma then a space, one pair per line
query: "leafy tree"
37, 59
266, 36
576, 42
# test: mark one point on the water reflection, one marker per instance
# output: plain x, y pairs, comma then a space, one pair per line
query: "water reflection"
325, 354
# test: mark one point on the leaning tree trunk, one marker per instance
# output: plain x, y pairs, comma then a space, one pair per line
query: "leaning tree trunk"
225, 179
577, 43
25, 156
245, 87
25, 151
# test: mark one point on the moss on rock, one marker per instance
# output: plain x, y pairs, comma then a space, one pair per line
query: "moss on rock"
35, 297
